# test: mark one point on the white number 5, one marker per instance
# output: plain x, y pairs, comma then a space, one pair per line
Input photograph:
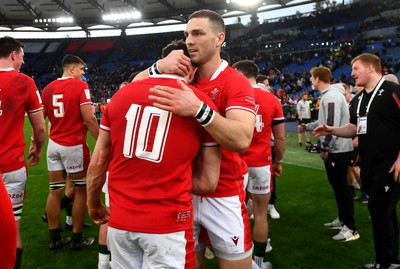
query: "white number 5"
58, 106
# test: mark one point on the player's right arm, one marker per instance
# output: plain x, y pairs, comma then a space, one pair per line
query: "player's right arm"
347, 131
96, 176
175, 63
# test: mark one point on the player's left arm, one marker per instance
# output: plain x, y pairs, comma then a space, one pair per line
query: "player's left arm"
279, 147
90, 119
234, 131
96, 176
38, 137
205, 176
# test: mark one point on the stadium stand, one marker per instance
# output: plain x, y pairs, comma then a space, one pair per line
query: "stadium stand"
285, 49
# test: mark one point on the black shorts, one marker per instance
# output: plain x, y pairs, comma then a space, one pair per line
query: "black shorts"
305, 121
354, 158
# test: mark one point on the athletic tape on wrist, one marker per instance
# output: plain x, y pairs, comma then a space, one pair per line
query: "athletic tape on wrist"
205, 114
153, 69
201, 110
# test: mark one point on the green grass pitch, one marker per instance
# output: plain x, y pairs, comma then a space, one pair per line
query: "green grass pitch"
299, 240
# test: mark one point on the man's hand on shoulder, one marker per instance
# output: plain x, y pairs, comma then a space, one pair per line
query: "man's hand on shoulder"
182, 101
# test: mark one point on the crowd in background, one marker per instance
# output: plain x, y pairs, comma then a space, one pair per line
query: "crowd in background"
283, 55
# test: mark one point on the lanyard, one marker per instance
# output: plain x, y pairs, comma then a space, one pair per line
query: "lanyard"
370, 100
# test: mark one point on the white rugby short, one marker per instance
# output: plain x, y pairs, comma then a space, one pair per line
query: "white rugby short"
156, 251
260, 180
72, 159
226, 223
15, 182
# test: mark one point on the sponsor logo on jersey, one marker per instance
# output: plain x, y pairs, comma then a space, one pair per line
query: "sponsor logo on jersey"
260, 188
250, 100
74, 166
16, 195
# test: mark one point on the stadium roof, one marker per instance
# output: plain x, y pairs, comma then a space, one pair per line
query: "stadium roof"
51, 15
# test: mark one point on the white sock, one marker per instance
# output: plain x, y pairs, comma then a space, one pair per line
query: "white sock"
104, 261
258, 261
254, 265
68, 220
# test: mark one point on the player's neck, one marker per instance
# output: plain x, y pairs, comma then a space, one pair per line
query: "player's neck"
372, 83
208, 69
67, 75
323, 86
6, 64
252, 81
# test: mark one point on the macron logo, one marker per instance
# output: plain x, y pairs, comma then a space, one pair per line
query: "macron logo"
235, 239
380, 92
387, 188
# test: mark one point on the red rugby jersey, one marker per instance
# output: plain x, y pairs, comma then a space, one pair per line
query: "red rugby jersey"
268, 110
18, 94
62, 100
229, 89
8, 231
150, 174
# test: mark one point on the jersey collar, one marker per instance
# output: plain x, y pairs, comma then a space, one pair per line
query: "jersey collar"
221, 68
7, 69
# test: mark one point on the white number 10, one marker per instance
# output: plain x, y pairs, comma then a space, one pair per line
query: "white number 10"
144, 150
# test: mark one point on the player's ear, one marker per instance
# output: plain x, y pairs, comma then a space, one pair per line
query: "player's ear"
13, 55
220, 39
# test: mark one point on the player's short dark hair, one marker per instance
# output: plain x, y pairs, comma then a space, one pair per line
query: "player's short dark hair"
175, 45
133, 75
262, 78
216, 19
71, 59
9, 44
248, 68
